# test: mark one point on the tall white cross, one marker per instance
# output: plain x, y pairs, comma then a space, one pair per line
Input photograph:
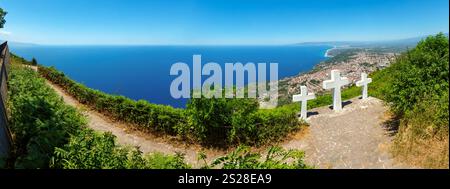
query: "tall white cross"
303, 97
335, 85
364, 82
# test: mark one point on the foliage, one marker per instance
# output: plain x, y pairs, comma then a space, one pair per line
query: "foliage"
326, 99
19, 60
49, 134
276, 158
213, 119
34, 61
148, 116
416, 88
342, 55
217, 121
40, 120
239, 121
2, 17
420, 74
91, 150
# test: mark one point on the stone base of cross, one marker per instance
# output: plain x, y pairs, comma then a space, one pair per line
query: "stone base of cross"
303, 97
363, 83
335, 84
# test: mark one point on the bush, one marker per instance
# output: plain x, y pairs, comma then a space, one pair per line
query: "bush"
34, 62
216, 121
148, 116
40, 120
49, 134
239, 121
421, 73
212, 120
20, 60
276, 158
420, 80
91, 150
416, 88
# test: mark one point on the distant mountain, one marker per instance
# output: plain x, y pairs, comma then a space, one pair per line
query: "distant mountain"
19, 44
400, 43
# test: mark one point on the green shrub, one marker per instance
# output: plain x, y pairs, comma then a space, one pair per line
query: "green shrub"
416, 88
417, 82
20, 60
148, 116
420, 74
49, 134
217, 121
213, 120
91, 150
239, 121
276, 158
40, 121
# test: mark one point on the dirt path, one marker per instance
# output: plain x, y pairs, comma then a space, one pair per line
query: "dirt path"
127, 136
352, 138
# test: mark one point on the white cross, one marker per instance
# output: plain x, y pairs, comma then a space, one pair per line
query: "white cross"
303, 97
335, 84
364, 82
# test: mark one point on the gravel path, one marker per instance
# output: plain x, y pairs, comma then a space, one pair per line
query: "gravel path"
352, 138
128, 136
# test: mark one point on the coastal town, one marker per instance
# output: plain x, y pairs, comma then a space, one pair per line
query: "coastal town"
358, 61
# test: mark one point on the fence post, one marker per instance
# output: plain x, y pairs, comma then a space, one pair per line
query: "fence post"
5, 134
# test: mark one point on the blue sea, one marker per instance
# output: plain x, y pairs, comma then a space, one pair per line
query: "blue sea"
142, 72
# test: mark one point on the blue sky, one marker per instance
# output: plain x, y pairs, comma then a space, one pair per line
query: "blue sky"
216, 22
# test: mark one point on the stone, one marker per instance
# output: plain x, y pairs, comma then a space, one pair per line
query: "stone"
363, 83
303, 97
335, 85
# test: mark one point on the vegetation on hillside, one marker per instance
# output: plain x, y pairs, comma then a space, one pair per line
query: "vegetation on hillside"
152, 117
49, 134
417, 90
276, 158
92, 150
21, 61
348, 93
239, 121
40, 121
2, 17
218, 121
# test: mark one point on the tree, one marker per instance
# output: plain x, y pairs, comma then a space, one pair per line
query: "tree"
34, 62
2, 17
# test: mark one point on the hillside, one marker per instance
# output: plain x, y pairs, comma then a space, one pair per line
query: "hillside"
410, 126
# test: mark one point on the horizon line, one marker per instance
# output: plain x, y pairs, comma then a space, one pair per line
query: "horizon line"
224, 44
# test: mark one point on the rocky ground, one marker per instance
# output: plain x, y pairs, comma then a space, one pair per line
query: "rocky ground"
355, 137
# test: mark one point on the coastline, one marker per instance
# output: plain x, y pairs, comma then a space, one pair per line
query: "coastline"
327, 53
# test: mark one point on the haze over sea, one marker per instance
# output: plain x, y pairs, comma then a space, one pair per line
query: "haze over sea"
142, 72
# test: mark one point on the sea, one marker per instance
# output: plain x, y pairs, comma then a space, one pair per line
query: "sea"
143, 72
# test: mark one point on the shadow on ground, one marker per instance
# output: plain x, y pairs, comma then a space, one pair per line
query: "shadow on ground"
346, 103
391, 125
